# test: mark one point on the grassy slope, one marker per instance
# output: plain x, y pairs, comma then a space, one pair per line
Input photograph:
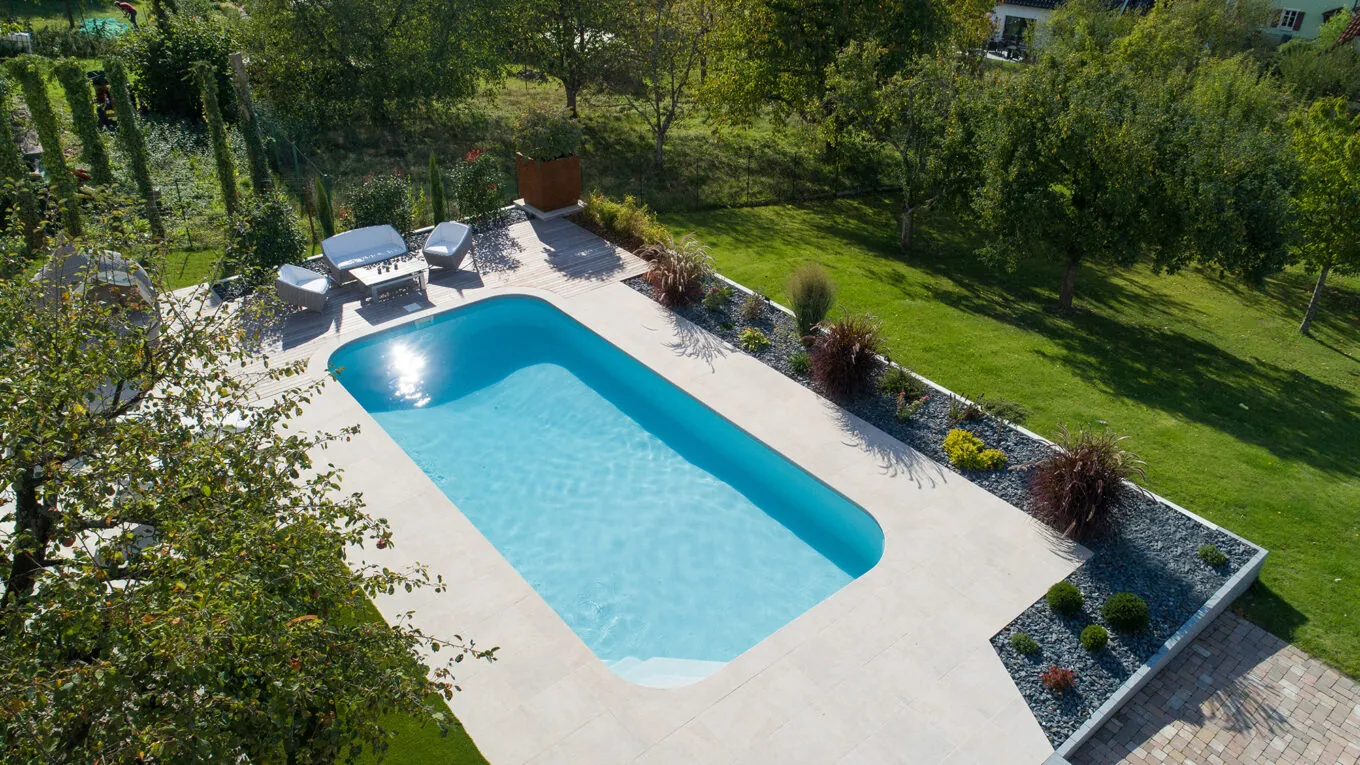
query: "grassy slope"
1239, 418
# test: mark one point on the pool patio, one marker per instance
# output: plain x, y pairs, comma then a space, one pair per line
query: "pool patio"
896, 667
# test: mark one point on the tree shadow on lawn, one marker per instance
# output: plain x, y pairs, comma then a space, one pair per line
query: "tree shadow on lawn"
1288, 413
1285, 296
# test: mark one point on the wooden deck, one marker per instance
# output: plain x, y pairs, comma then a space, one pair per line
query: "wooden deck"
553, 255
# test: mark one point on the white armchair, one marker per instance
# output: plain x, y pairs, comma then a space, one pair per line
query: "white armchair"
447, 245
302, 287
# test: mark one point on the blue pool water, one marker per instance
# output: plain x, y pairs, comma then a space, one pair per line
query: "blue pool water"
667, 538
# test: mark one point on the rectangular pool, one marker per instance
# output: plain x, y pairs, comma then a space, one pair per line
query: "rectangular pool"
667, 538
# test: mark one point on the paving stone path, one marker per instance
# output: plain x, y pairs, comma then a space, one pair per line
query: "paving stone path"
1237, 695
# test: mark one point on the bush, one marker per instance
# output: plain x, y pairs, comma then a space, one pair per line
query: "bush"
1125, 612
1094, 637
679, 270
752, 306
161, 57
1212, 556
382, 199
962, 410
1065, 599
477, 186
800, 364
752, 340
1024, 644
811, 295
1004, 409
1059, 680
716, 298
908, 407
965, 451
627, 223
264, 235
844, 356
60, 42
1073, 489
896, 381
546, 134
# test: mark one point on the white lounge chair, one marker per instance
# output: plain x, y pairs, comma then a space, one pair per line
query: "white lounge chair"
361, 247
447, 245
302, 287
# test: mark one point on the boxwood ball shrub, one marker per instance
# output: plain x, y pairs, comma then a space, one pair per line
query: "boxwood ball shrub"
1074, 488
800, 363
966, 452
679, 269
1212, 556
1125, 612
1024, 644
545, 134
811, 295
1065, 598
845, 356
752, 340
1094, 637
382, 199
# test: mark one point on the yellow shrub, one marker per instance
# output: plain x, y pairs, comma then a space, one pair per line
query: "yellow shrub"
965, 451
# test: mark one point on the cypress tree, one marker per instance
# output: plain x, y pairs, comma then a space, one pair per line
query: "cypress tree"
323, 209
25, 70
14, 170
78, 96
134, 145
438, 208
212, 112
250, 127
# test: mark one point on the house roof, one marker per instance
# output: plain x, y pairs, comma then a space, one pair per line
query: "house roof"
1351, 32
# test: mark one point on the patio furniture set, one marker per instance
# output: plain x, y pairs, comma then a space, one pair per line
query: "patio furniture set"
377, 258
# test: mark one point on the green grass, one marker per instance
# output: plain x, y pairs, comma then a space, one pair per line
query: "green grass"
418, 742
1239, 418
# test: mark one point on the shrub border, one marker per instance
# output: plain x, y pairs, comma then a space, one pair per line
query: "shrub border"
1217, 603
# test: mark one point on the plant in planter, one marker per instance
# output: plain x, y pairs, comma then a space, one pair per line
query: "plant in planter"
1059, 680
907, 407
678, 271
549, 170
752, 340
966, 451
1074, 489
716, 298
845, 356
752, 306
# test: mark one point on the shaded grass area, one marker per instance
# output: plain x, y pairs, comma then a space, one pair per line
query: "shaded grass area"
1240, 419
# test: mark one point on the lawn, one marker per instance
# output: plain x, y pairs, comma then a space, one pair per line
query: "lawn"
1238, 417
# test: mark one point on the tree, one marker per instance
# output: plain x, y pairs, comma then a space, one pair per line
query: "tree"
573, 41
162, 57
1320, 67
179, 581
83, 119
439, 209
663, 40
916, 112
324, 213
14, 172
776, 53
250, 127
134, 145
26, 70
226, 168
1326, 140
332, 61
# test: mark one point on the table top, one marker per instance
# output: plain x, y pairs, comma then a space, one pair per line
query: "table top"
399, 267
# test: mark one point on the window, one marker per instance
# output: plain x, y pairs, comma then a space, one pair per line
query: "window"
1289, 18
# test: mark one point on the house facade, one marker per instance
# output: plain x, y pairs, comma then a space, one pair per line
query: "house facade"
1303, 18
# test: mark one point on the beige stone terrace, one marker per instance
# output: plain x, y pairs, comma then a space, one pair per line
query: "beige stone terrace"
896, 667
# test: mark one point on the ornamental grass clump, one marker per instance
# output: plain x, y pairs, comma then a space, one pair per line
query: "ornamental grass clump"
966, 452
679, 269
1125, 612
800, 363
811, 295
1074, 488
845, 356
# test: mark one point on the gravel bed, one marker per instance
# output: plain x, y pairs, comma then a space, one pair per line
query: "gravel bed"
1150, 548
231, 289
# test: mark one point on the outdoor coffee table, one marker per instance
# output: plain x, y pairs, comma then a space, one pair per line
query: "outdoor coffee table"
403, 268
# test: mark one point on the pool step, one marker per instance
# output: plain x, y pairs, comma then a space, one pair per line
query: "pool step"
662, 671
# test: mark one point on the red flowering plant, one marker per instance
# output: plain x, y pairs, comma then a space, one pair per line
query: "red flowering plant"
1059, 680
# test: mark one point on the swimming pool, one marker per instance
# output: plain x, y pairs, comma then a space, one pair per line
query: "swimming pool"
667, 538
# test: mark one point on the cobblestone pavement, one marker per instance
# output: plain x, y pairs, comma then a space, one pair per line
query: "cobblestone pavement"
1236, 695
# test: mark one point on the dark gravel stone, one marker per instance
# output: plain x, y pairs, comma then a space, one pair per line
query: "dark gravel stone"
1150, 548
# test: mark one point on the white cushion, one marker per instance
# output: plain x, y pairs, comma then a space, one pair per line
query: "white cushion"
363, 247
447, 237
304, 278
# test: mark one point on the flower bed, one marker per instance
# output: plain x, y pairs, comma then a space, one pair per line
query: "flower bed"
1151, 549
